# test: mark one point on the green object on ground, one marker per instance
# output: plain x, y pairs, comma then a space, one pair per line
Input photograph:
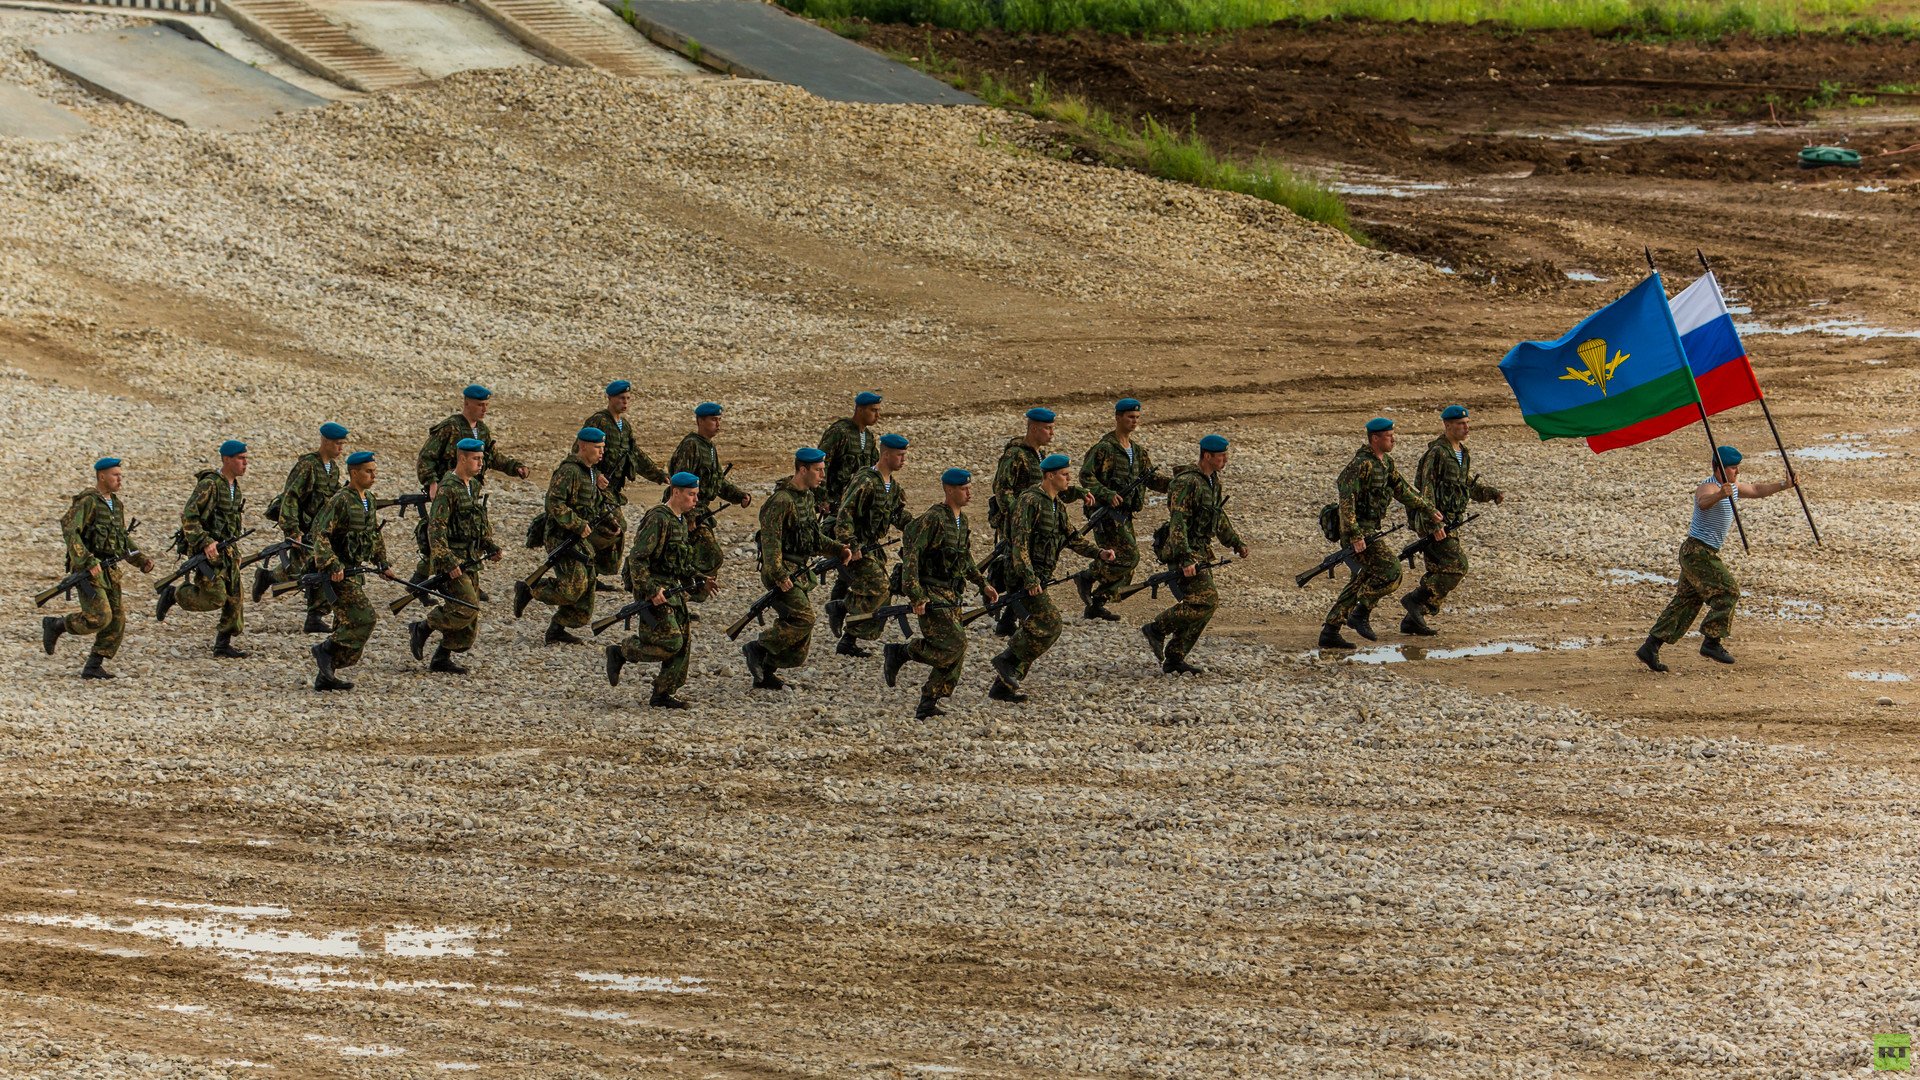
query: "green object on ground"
1816, 157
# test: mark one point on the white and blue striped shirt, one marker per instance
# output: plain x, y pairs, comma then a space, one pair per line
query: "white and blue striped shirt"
1710, 524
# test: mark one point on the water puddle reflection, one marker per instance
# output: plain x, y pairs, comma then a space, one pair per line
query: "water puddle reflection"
1879, 676
1401, 654
648, 984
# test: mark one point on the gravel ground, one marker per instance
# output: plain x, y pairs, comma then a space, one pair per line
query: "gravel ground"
1283, 867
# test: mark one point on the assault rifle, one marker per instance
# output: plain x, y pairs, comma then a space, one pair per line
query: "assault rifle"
1014, 598
1342, 554
322, 580
428, 585
899, 612
567, 547
81, 579
418, 500
283, 550
705, 518
1425, 543
642, 609
1104, 511
824, 565
1174, 578
198, 562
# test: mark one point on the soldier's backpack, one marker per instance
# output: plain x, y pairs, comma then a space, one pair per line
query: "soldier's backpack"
273, 511
1330, 522
537, 530
1160, 537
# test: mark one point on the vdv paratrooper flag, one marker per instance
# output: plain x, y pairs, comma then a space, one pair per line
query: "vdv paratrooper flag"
1622, 365
1718, 358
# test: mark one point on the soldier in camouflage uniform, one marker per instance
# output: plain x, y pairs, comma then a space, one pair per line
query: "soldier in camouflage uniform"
1019, 469
95, 529
346, 536
1366, 486
437, 455
662, 560
1196, 517
577, 505
872, 504
1117, 472
936, 562
849, 448
696, 454
625, 460
1038, 532
789, 536
459, 538
1447, 480
211, 518
310, 483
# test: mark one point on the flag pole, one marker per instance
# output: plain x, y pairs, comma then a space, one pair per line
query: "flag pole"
1768, 413
1713, 448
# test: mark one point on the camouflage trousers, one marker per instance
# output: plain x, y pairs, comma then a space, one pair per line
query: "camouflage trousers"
298, 563
353, 621
101, 614
1037, 632
941, 645
1704, 579
1110, 577
568, 589
455, 622
219, 591
669, 643
1446, 568
1188, 617
791, 634
867, 590
1379, 573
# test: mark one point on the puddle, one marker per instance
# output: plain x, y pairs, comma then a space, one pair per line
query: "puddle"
1790, 610
1869, 190
412, 941
208, 934
1445, 269
1879, 676
1837, 451
594, 1014
375, 1050
1606, 133
1583, 275
648, 984
239, 1063
1400, 654
1389, 189
322, 983
1617, 576
190, 1010
1847, 328
244, 911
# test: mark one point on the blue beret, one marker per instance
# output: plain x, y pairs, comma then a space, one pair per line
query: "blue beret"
894, 442
1040, 416
618, 386
476, 392
1728, 455
1054, 461
470, 444
1126, 404
684, 480
809, 455
706, 408
867, 397
105, 463
331, 430
591, 434
1379, 424
1213, 444
1454, 412
956, 476
232, 448
359, 458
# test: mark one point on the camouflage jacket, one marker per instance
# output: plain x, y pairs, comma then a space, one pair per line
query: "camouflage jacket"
1448, 483
789, 534
212, 513
438, 455
457, 527
1039, 531
1019, 469
1109, 469
1366, 486
347, 533
936, 559
697, 456
870, 506
661, 556
849, 449
625, 460
94, 529
1196, 518
574, 499
310, 483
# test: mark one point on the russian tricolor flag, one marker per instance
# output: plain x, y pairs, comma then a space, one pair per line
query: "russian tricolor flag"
1714, 352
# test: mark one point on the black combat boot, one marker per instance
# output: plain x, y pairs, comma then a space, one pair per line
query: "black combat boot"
1177, 665
1000, 691
1713, 650
1416, 621
443, 662
1098, 610
1007, 622
837, 617
1003, 666
522, 596
1649, 653
164, 604
93, 670
666, 701
894, 656
928, 709
850, 646
323, 678
616, 659
603, 586
1156, 640
51, 627
760, 668
417, 634
1083, 584
1330, 637
557, 635
1362, 622
262, 578
223, 647
317, 623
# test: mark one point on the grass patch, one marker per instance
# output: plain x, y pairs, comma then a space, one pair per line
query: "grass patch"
1653, 18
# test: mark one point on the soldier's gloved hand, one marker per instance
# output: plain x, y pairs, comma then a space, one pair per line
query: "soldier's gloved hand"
784, 584
1187, 570
1106, 554
211, 551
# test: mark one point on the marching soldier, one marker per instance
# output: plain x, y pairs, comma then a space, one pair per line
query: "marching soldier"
577, 505
212, 518
936, 563
437, 454
870, 505
459, 537
1195, 519
95, 528
1447, 480
1019, 469
662, 560
1366, 485
1704, 579
1038, 532
789, 535
849, 448
624, 460
696, 454
346, 537
1117, 472
310, 483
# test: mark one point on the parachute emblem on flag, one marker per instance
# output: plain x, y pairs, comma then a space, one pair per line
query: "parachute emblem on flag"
1593, 353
